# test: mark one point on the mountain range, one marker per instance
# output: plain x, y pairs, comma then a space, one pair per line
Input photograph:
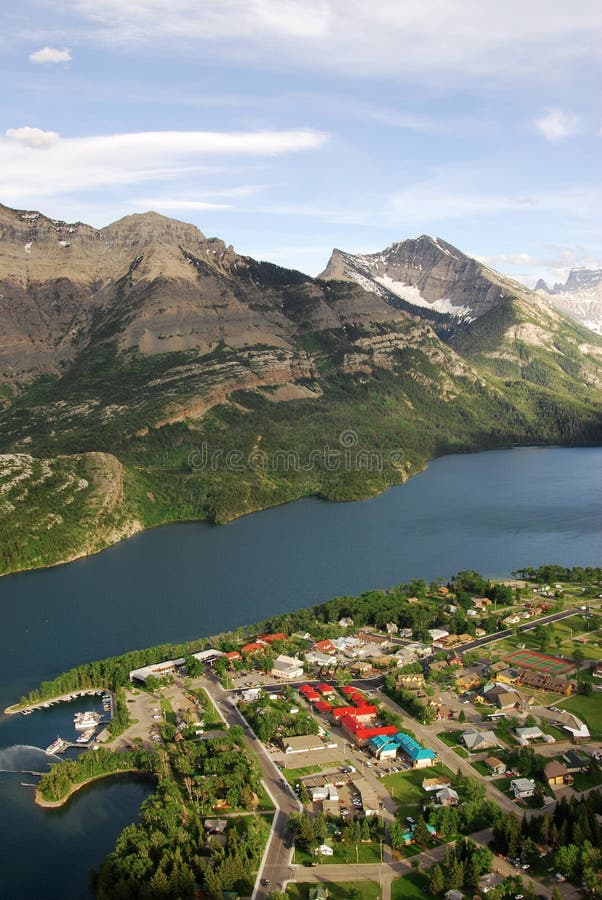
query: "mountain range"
149, 373
580, 297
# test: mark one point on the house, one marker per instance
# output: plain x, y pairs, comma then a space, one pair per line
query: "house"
597, 671
522, 788
525, 735
578, 730
325, 646
253, 647
447, 797
411, 681
345, 622
490, 881
339, 712
383, 748
287, 667
272, 638
320, 660
495, 765
481, 603
233, 656
466, 682
574, 762
318, 792
514, 619
326, 690
323, 850
323, 706
502, 698
454, 895
365, 713
361, 734
553, 684
392, 628
370, 802
303, 743
475, 740
368, 637
437, 634
435, 784
556, 773
309, 692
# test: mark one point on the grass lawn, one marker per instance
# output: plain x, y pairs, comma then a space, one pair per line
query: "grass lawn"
481, 768
295, 775
343, 854
583, 781
410, 887
369, 890
588, 709
452, 739
406, 787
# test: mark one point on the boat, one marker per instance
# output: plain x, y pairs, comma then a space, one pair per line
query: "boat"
56, 747
85, 720
85, 736
26, 712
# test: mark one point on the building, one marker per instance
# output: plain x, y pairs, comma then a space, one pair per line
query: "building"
435, 784
361, 734
475, 740
383, 747
325, 646
303, 743
233, 656
501, 697
557, 774
252, 647
251, 695
437, 634
157, 670
525, 735
345, 622
319, 792
490, 881
309, 692
370, 802
454, 895
466, 682
447, 797
272, 638
323, 706
522, 788
287, 667
326, 690
539, 681
208, 656
320, 660
215, 826
388, 746
495, 765
411, 682
323, 850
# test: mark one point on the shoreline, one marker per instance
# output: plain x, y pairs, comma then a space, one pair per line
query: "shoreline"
87, 552
56, 804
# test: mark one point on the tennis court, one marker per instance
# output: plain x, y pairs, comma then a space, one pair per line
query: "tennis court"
529, 659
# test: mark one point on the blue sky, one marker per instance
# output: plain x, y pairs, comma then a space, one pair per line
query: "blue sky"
289, 127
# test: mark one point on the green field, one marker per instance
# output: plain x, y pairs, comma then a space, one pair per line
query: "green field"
452, 739
589, 710
369, 890
406, 787
344, 854
293, 776
410, 887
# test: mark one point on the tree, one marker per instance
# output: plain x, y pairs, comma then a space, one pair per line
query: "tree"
436, 881
421, 833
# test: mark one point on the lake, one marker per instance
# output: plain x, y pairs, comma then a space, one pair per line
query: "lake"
494, 512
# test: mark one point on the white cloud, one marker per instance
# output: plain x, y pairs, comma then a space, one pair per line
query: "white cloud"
34, 138
543, 38
175, 203
557, 124
50, 55
76, 164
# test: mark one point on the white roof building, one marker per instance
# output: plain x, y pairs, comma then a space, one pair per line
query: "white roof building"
287, 667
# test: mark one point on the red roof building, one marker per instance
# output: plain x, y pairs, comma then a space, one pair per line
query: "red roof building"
325, 646
357, 699
326, 689
233, 655
272, 638
342, 711
323, 706
253, 647
365, 713
348, 690
362, 733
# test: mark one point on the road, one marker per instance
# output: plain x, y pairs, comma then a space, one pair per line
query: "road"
276, 864
528, 626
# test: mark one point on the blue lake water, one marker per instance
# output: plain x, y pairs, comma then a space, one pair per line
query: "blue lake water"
493, 512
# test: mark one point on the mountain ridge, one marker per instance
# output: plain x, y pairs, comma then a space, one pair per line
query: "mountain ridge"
146, 341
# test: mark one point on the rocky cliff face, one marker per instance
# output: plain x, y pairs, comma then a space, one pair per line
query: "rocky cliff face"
429, 276
580, 297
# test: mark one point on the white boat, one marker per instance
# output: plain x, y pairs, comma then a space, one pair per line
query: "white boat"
85, 736
56, 747
85, 720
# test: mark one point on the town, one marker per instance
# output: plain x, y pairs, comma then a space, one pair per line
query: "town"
447, 746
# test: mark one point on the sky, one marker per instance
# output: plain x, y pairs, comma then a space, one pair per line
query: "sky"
289, 127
